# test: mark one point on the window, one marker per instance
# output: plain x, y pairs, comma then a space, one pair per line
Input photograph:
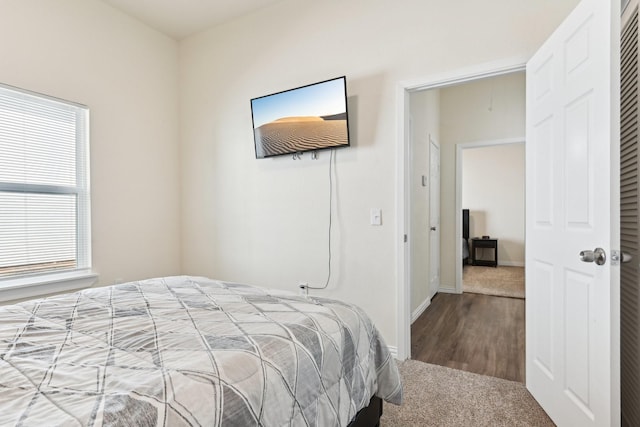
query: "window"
44, 186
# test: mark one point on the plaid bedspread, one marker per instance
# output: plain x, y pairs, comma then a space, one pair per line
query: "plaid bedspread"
189, 351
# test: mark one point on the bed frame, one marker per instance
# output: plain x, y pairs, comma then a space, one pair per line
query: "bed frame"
369, 416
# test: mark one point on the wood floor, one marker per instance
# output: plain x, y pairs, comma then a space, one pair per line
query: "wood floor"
472, 332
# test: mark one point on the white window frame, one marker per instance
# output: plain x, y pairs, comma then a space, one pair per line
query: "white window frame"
29, 285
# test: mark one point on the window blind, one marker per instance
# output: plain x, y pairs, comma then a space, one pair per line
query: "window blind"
44, 186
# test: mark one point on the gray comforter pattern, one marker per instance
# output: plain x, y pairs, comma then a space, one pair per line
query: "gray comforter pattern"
189, 351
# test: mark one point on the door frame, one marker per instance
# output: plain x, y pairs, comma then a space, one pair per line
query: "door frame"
434, 145
459, 150
403, 90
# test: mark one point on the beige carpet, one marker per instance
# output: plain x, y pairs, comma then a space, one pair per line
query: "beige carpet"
443, 397
499, 281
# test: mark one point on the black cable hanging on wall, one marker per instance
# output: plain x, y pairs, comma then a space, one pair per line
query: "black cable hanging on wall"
331, 160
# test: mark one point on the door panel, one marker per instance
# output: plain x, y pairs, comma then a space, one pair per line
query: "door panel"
544, 184
572, 320
578, 303
541, 297
578, 132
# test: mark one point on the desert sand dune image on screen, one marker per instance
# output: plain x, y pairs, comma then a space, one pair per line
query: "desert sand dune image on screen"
292, 134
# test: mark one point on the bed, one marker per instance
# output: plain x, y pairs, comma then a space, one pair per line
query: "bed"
191, 351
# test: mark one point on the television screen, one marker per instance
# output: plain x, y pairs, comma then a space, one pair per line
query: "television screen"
308, 118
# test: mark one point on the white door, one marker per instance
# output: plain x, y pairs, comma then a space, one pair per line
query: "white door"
434, 217
572, 307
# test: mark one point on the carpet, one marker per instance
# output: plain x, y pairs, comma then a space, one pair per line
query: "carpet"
499, 281
444, 397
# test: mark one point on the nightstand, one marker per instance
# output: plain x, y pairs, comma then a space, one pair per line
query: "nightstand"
478, 243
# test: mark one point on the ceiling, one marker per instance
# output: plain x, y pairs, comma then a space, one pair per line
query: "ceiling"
181, 18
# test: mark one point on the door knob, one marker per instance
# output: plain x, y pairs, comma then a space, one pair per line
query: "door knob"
433, 229
598, 255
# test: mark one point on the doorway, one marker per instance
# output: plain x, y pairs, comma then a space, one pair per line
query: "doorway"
449, 250
572, 349
491, 177
469, 111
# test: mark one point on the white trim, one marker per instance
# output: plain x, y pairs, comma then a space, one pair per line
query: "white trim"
434, 145
83, 175
35, 286
506, 66
42, 95
491, 142
448, 290
403, 335
459, 149
464, 75
421, 308
511, 263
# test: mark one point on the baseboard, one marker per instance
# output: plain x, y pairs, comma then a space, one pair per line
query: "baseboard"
421, 308
448, 290
511, 263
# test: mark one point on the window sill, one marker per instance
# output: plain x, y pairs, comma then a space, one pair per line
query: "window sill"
47, 284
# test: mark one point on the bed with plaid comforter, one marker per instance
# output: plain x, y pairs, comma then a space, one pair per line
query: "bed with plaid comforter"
189, 351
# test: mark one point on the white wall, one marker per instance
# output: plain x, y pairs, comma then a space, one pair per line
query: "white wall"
493, 191
265, 221
87, 52
483, 110
425, 124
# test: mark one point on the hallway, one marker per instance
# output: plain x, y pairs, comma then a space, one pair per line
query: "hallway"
473, 332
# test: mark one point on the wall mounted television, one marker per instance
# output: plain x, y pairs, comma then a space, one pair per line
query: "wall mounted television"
307, 118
